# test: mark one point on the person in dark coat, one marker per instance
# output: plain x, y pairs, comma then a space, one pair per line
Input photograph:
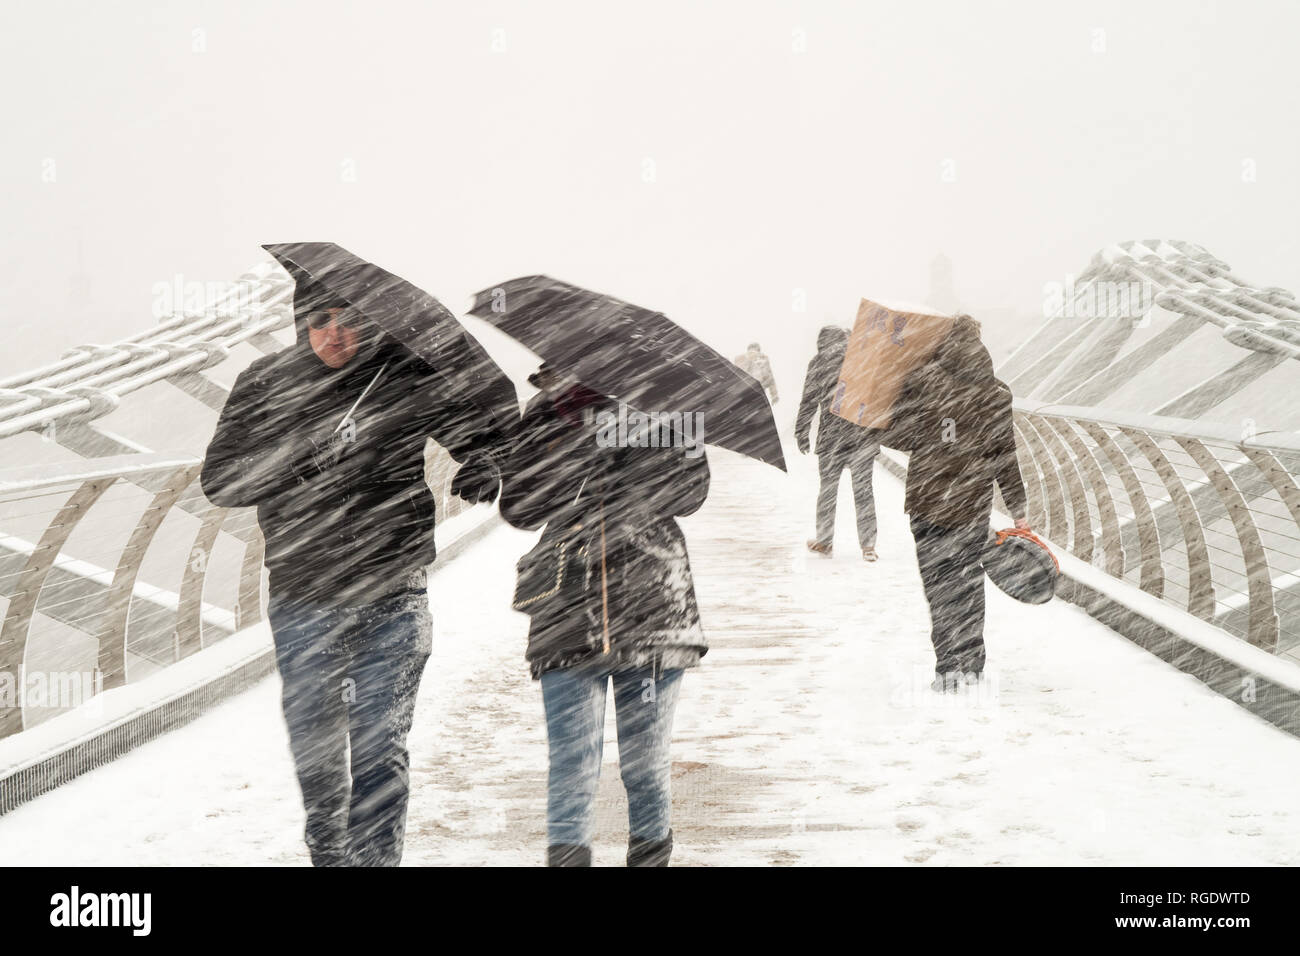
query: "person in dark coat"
954, 416
326, 438
840, 444
613, 601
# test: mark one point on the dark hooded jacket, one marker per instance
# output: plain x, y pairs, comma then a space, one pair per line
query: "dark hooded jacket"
636, 575
954, 416
339, 530
835, 435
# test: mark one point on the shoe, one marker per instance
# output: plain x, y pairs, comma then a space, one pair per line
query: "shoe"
819, 548
649, 852
952, 682
948, 682
869, 554
567, 854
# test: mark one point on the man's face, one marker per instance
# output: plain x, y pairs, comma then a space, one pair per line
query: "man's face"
333, 335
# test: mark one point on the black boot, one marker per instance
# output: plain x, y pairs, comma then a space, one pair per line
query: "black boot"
649, 852
567, 854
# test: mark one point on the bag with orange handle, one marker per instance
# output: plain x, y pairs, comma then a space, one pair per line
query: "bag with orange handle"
1022, 565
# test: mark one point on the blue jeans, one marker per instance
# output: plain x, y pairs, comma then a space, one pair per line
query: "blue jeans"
350, 677
574, 699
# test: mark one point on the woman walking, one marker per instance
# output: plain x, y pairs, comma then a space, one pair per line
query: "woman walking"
608, 588
954, 416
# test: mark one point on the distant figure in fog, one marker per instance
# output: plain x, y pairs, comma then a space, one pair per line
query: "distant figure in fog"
756, 364
609, 592
840, 444
954, 417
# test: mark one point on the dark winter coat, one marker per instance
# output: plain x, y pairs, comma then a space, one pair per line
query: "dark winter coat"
835, 435
954, 417
636, 576
339, 530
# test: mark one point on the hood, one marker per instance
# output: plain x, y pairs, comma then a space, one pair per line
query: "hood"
308, 296
832, 337
308, 293
963, 356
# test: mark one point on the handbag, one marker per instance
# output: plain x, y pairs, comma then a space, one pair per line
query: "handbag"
542, 573
1021, 565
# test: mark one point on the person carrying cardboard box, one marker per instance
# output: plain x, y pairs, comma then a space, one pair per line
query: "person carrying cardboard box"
928, 383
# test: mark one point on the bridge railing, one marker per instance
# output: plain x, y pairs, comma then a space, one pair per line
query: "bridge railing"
80, 617
1198, 514
114, 568
90, 381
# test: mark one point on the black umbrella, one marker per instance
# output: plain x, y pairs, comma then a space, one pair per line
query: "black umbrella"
1022, 565
411, 316
636, 356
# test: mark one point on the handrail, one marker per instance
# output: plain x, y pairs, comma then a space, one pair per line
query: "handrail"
90, 380
50, 590
177, 325
1193, 512
31, 478
1164, 425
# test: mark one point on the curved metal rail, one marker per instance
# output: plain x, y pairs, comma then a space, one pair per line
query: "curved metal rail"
1187, 511
79, 593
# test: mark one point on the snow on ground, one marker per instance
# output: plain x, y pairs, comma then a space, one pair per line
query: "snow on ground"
808, 735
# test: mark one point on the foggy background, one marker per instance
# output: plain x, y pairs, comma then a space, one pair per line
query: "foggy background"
750, 169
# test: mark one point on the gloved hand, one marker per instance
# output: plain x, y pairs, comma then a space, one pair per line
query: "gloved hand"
801, 441
479, 479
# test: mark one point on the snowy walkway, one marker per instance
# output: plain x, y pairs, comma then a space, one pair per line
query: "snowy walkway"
808, 735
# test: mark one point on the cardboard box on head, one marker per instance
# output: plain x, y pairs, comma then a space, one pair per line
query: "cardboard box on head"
885, 346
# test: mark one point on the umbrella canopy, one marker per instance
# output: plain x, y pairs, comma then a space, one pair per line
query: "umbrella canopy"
411, 316
1021, 565
636, 356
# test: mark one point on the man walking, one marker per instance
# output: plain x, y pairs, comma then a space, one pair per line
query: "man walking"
840, 445
326, 438
955, 418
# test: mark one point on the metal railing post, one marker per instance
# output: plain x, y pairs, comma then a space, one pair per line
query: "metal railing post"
22, 604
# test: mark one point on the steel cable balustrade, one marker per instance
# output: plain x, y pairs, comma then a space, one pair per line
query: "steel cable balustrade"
29, 588
51, 585
1189, 512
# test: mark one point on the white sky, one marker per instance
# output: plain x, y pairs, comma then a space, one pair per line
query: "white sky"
774, 170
